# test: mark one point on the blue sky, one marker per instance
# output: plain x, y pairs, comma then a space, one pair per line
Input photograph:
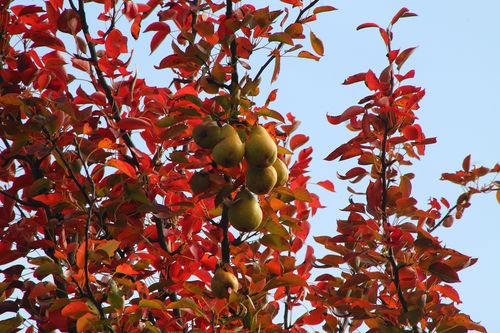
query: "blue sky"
458, 63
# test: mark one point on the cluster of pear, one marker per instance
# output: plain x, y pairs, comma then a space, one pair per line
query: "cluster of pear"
264, 169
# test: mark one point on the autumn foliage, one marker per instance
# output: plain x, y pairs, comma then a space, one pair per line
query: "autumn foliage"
114, 219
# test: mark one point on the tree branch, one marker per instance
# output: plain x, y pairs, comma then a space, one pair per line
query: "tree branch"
101, 80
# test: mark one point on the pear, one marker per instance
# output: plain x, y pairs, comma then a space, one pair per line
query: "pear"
260, 149
261, 180
281, 171
207, 134
245, 213
230, 151
221, 281
199, 182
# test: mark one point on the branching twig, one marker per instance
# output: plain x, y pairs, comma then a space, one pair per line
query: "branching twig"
280, 45
100, 76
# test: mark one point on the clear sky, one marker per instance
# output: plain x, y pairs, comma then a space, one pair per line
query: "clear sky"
458, 63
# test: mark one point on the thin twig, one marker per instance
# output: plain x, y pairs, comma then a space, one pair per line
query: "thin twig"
280, 45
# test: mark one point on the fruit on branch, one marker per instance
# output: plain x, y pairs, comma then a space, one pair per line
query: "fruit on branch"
281, 172
244, 212
221, 282
207, 134
230, 151
261, 180
260, 149
199, 182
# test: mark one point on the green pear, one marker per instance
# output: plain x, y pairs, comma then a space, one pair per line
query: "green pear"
199, 182
261, 180
207, 134
260, 149
230, 151
281, 171
245, 213
221, 282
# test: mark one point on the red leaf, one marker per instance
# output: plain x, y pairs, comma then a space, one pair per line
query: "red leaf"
135, 28
116, 43
298, 140
49, 199
354, 172
403, 56
327, 185
315, 317
399, 14
403, 12
123, 167
466, 163
348, 114
448, 291
411, 132
355, 78
371, 81
444, 272
338, 151
132, 123
367, 25
158, 26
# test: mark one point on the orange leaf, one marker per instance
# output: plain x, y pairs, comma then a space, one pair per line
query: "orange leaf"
281, 37
126, 269
123, 167
317, 44
49, 199
308, 55
322, 9
84, 323
277, 65
448, 291
498, 195
327, 185
75, 309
